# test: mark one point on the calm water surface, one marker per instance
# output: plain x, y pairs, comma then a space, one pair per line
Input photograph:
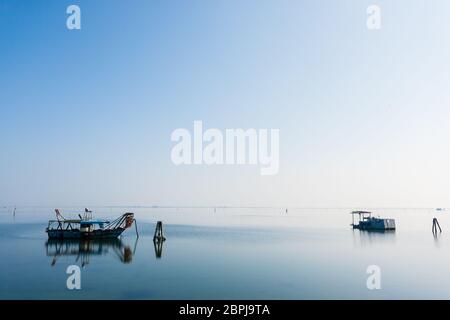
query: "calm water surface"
229, 254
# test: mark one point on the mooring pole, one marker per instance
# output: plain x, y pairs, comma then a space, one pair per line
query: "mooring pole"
158, 236
435, 226
135, 226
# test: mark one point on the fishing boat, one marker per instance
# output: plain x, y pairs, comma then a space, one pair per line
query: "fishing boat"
87, 227
367, 222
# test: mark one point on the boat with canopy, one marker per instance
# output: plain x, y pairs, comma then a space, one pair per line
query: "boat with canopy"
88, 227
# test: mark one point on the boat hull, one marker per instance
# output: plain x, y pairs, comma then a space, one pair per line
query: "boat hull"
77, 234
376, 224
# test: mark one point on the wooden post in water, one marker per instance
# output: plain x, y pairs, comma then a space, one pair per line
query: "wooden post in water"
136, 228
435, 226
159, 236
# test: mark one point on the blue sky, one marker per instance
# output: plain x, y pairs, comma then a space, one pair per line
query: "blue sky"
86, 115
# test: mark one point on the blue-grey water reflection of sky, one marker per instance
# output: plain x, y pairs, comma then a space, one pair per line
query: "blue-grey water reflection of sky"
229, 254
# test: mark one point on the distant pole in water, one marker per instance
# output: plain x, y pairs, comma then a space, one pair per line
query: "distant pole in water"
159, 236
14, 212
435, 226
286, 210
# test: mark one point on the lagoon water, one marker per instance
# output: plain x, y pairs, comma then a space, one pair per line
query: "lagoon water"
246, 253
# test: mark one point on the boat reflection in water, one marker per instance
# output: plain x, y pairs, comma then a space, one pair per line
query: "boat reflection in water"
158, 249
365, 237
82, 250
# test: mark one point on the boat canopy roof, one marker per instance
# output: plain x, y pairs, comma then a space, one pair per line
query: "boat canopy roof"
81, 222
94, 221
360, 212
66, 221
